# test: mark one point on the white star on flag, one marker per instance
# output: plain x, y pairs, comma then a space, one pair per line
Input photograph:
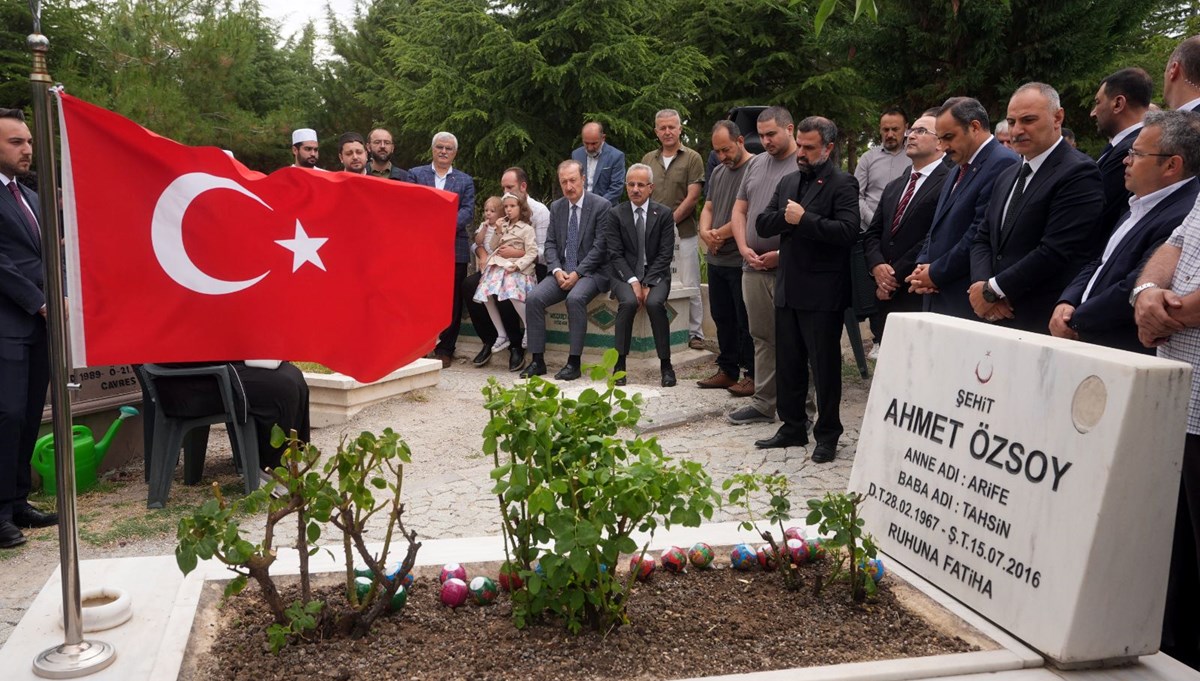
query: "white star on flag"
304, 248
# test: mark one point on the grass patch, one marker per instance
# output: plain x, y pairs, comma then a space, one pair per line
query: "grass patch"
313, 368
114, 522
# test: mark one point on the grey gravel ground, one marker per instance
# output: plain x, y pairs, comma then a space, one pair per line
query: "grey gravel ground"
446, 487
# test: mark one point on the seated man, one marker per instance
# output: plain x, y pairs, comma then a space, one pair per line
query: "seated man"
641, 243
577, 259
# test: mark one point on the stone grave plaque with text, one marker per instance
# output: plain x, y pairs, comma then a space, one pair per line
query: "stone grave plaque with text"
1032, 478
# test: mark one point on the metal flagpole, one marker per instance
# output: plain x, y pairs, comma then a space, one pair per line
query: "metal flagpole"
75, 657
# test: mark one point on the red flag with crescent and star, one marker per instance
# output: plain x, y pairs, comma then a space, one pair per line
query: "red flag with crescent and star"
182, 254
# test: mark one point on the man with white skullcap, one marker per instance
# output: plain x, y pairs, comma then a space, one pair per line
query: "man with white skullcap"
304, 148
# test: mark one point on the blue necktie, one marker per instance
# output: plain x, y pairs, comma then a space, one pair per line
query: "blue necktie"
572, 254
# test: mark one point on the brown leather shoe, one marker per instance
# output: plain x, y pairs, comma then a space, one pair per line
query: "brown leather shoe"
717, 380
696, 343
743, 388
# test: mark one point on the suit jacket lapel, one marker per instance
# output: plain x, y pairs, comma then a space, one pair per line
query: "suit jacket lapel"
1035, 183
923, 193
16, 214
818, 182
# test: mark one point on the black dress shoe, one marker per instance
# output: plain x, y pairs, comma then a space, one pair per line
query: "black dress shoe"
780, 440
824, 453
516, 358
668, 377
30, 517
569, 372
484, 356
535, 368
10, 535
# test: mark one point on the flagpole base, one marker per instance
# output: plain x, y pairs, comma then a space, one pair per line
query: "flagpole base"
68, 661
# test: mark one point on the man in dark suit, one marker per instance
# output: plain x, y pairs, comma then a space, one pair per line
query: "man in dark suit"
1181, 80
815, 212
441, 174
577, 257
943, 275
603, 164
1160, 171
640, 236
901, 221
1034, 238
1119, 107
24, 358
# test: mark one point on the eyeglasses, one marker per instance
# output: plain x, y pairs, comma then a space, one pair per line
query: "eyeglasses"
1135, 154
443, 147
919, 131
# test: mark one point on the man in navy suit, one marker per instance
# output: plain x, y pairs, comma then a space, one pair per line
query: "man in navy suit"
603, 164
1160, 171
441, 174
1034, 237
901, 221
24, 352
1181, 80
1119, 107
815, 212
943, 272
640, 235
577, 258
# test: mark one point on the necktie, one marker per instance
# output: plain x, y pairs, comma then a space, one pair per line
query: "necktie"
908, 194
962, 172
30, 221
639, 222
1107, 148
1010, 214
572, 254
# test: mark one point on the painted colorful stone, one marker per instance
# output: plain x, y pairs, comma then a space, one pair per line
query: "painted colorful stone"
874, 568
363, 571
509, 578
398, 599
362, 586
794, 533
742, 557
701, 556
767, 559
641, 566
798, 548
454, 592
452, 570
483, 590
394, 570
816, 548
674, 559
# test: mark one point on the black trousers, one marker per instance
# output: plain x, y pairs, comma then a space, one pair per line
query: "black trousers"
656, 310
735, 347
482, 321
807, 339
902, 301
275, 396
1181, 620
448, 340
24, 377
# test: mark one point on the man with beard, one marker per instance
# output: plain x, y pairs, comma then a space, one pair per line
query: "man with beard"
352, 152
380, 148
815, 213
1120, 105
735, 348
304, 148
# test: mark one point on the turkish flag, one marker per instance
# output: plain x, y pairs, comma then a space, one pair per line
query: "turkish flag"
179, 254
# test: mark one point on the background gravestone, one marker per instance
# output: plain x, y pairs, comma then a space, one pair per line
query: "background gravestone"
1032, 478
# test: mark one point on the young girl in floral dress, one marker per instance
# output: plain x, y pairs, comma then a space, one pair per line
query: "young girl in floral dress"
509, 278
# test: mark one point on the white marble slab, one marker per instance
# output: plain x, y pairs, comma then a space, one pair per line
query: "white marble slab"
1032, 478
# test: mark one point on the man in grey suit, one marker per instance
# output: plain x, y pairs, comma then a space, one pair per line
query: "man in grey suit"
603, 164
641, 243
577, 259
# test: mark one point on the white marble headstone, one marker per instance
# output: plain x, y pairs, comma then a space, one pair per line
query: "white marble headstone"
1032, 478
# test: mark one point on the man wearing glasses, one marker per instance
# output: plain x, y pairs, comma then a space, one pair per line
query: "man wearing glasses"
1160, 169
441, 174
379, 148
901, 221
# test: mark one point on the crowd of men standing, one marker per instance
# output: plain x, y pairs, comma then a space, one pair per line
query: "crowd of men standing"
1017, 229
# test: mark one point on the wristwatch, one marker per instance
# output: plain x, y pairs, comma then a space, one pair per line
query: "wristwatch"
988, 294
1137, 290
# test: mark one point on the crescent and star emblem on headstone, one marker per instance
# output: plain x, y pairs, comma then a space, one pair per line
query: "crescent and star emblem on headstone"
984, 365
166, 236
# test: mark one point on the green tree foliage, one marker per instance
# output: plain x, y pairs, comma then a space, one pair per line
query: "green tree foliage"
519, 79
70, 26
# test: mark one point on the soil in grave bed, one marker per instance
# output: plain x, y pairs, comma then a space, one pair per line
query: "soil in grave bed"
700, 623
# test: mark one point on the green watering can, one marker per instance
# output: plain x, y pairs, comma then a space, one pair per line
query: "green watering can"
88, 454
